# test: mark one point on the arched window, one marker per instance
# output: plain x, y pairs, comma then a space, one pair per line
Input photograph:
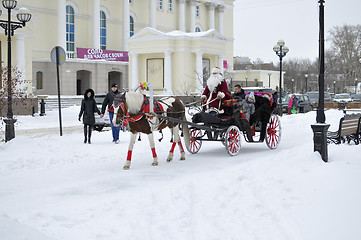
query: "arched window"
131, 27
39, 80
198, 29
103, 30
70, 31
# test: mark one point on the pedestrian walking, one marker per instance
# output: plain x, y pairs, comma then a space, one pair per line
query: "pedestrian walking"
87, 110
108, 103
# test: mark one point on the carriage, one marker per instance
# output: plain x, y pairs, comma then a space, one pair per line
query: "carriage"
229, 131
229, 128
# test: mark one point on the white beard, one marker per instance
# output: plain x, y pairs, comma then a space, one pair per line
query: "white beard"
213, 81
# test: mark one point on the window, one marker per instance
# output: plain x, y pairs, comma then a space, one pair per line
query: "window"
131, 28
103, 30
197, 29
39, 80
197, 11
70, 31
160, 4
170, 5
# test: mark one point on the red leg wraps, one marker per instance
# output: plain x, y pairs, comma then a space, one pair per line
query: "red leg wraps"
180, 146
154, 153
173, 146
129, 157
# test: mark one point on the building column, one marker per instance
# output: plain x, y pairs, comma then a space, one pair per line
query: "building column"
220, 59
135, 77
126, 23
20, 60
62, 24
220, 19
199, 69
96, 24
152, 14
192, 14
182, 15
211, 7
168, 72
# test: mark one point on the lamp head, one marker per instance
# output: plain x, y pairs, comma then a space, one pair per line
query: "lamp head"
306, 75
276, 48
281, 43
23, 15
285, 49
9, 4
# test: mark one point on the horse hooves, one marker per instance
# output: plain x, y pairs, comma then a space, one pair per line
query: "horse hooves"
126, 167
182, 158
169, 159
154, 164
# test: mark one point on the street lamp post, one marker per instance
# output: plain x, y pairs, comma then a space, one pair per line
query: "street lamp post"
269, 79
334, 87
246, 81
23, 16
320, 128
306, 76
355, 85
292, 90
281, 50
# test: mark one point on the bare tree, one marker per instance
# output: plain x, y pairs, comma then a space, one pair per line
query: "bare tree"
345, 51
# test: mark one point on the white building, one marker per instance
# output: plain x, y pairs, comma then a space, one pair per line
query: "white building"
169, 43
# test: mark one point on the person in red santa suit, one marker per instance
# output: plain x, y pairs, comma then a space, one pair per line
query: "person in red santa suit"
215, 92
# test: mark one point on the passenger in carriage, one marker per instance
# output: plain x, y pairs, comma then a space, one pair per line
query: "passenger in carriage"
215, 92
238, 92
262, 113
247, 105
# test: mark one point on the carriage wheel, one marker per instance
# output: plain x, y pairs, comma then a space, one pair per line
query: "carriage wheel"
233, 140
192, 144
273, 132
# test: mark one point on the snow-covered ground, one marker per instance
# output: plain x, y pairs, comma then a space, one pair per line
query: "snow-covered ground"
57, 187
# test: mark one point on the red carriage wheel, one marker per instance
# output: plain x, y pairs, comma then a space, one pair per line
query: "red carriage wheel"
233, 140
273, 132
193, 145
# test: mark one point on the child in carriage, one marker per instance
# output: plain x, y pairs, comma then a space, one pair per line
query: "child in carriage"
247, 105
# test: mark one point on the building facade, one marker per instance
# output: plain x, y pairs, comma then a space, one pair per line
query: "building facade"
170, 43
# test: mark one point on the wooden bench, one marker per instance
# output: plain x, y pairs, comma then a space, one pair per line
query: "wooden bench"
349, 129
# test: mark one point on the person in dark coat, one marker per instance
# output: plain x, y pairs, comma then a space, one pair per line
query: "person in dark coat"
262, 113
275, 100
238, 93
88, 108
108, 103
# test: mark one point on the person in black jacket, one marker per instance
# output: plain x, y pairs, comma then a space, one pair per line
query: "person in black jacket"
108, 102
88, 108
238, 93
262, 113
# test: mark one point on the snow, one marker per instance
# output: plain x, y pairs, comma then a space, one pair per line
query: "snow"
57, 187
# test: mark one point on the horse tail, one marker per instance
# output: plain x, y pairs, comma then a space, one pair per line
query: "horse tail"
185, 130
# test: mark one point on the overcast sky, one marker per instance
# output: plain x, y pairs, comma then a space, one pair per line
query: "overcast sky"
259, 24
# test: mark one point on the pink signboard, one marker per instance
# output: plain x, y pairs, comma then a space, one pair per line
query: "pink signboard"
225, 65
99, 54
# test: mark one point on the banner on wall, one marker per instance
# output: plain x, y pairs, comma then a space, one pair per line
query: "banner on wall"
225, 64
100, 54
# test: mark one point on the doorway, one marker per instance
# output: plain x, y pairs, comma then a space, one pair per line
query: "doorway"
83, 81
115, 77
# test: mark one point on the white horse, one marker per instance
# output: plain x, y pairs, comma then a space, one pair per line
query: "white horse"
134, 108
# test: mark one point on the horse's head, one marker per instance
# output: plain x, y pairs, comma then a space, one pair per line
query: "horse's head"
120, 109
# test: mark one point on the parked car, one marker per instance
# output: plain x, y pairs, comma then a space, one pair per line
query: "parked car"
303, 104
100, 123
342, 97
356, 97
313, 96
